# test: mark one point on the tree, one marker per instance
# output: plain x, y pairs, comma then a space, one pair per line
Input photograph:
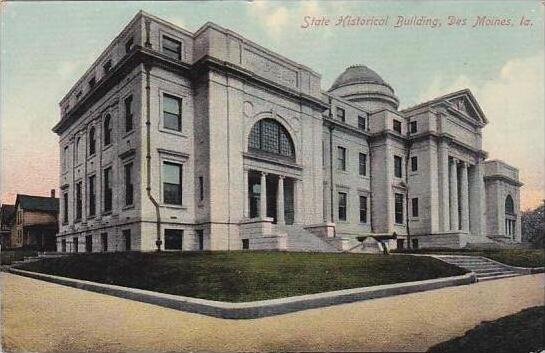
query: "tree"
533, 226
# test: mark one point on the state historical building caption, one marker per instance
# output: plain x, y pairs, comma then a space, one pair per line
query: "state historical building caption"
208, 141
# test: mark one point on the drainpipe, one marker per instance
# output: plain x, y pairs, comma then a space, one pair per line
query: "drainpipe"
158, 241
407, 156
331, 128
370, 188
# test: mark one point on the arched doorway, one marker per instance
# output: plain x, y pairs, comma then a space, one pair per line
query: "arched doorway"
510, 217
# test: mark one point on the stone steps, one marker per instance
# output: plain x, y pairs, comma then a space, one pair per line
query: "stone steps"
300, 239
485, 269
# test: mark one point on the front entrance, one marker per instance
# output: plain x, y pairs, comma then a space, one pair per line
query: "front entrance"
271, 196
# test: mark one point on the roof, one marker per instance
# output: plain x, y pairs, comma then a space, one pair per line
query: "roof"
357, 74
37, 203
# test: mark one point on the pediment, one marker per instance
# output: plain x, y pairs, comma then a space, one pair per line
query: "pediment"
463, 103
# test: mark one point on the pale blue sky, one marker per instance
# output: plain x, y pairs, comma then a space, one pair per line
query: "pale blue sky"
47, 46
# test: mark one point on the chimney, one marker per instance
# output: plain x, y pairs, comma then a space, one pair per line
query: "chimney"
53, 193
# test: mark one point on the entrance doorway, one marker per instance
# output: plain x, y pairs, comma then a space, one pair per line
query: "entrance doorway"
272, 182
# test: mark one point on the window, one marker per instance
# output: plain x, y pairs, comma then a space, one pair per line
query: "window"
92, 141
108, 189
129, 190
104, 241
397, 126
414, 164
75, 242
362, 123
399, 208
415, 243
201, 188
414, 127
78, 201
269, 136
63, 245
128, 114
173, 239
510, 217
92, 195
172, 183
200, 238
65, 157
363, 164
398, 170
107, 66
340, 114
400, 244
65, 207
245, 244
92, 82
129, 44
341, 158
414, 206
172, 48
88, 243
127, 239
363, 209
509, 205
78, 142
107, 130
342, 206
172, 112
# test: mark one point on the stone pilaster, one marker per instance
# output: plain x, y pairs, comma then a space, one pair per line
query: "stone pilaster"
464, 198
444, 214
453, 192
245, 189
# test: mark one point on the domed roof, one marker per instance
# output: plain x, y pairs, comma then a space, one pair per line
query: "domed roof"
357, 74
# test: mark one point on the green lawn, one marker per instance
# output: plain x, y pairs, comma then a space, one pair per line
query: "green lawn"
513, 257
243, 276
9, 256
521, 332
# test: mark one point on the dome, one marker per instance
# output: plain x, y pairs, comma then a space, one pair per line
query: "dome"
357, 74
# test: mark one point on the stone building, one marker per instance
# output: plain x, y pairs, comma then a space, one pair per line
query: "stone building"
208, 141
35, 223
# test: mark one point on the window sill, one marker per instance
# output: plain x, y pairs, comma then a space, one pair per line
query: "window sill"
176, 207
365, 177
173, 132
128, 207
128, 133
91, 156
105, 148
107, 213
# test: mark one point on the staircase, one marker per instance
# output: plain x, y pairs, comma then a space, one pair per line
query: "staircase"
484, 268
300, 239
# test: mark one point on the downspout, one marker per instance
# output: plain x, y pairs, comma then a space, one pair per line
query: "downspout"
158, 241
331, 128
370, 188
407, 156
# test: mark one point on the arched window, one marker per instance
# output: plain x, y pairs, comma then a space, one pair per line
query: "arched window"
92, 141
78, 140
269, 136
509, 205
107, 130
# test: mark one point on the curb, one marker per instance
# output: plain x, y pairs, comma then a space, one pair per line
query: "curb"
255, 309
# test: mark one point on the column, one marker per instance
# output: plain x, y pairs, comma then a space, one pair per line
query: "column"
453, 195
464, 198
245, 187
444, 215
280, 201
263, 196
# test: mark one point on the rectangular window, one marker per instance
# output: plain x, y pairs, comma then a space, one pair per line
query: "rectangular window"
129, 188
65, 157
414, 127
200, 238
129, 44
63, 245
65, 207
78, 201
92, 82
172, 112
414, 164
92, 195
76, 244
172, 48
104, 241
173, 239
363, 164
201, 188
245, 244
128, 114
107, 66
414, 206
127, 239
398, 169
397, 126
342, 206
341, 158
108, 189
363, 209
172, 183
88, 243
340, 114
399, 208
362, 123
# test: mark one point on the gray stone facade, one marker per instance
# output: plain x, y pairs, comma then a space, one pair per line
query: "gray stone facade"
208, 141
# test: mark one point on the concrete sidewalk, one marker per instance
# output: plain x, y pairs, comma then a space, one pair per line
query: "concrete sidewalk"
40, 316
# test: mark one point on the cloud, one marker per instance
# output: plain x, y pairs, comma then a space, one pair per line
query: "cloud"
513, 104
